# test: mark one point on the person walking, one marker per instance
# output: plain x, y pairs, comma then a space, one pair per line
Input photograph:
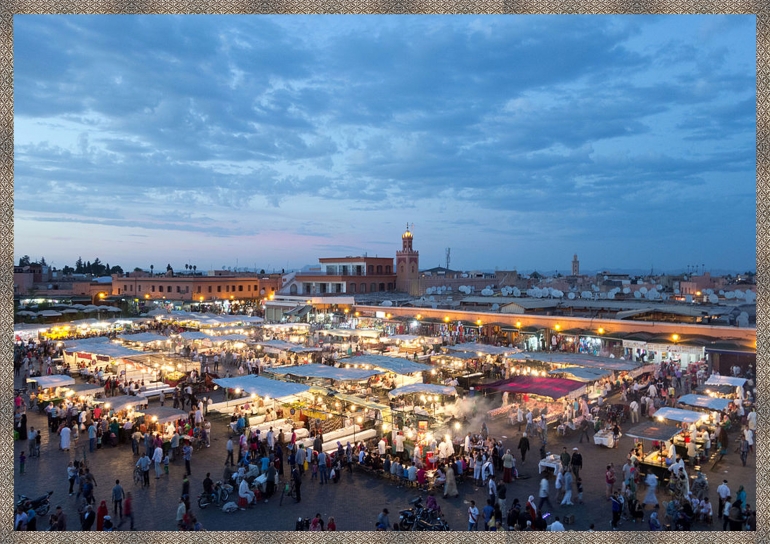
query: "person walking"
523, 446
157, 458
128, 511
322, 468
544, 491
609, 480
88, 518
297, 478
383, 522
617, 507
72, 474
568, 480
473, 517
576, 462
724, 494
584, 430
230, 449
144, 465
117, 499
508, 463
187, 455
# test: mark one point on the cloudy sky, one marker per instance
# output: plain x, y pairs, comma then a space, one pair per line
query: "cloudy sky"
272, 141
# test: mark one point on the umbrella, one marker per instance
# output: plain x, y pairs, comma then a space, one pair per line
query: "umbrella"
49, 313
70, 311
78, 306
26, 312
113, 309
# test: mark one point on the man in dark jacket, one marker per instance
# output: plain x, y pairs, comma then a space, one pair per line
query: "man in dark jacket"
297, 484
523, 446
87, 518
577, 462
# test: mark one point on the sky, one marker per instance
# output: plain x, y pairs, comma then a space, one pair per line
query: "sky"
273, 141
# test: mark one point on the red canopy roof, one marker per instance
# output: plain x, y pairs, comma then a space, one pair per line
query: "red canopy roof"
555, 388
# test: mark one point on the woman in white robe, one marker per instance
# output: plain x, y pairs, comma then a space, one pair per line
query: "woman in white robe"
652, 486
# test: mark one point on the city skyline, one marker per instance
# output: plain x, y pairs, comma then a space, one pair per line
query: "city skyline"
268, 141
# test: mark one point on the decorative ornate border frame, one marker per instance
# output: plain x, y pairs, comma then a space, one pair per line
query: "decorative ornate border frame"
8, 8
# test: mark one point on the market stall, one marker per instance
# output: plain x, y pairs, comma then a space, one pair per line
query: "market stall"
655, 458
705, 402
689, 442
400, 371
580, 374
537, 394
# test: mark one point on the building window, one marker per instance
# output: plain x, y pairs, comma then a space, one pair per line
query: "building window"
160, 289
169, 288
379, 269
256, 288
387, 269
219, 288
352, 287
307, 288
199, 289
186, 288
371, 269
382, 287
337, 287
359, 270
293, 289
390, 286
240, 287
233, 288
125, 288
139, 288
402, 268
227, 288
248, 287
373, 288
209, 288
363, 288
413, 270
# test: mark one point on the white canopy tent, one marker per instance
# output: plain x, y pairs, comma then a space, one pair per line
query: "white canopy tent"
124, 401
677, 414
55, 380
429, 388
327, 372
705, 401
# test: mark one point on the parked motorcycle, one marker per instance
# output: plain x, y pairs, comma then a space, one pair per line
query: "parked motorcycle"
204, 499
41, 505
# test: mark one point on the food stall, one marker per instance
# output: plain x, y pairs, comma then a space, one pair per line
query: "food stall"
653, 459
688, 444
83, 391
706, 404
539, 394
579, 373
50, 388
400, 371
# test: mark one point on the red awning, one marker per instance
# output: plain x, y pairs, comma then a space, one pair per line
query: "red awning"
555, 388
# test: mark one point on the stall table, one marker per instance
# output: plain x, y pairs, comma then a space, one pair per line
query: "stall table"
551, 461
605, 438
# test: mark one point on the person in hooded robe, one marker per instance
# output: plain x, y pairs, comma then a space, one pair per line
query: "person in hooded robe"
652, 485
64, 438
450, 485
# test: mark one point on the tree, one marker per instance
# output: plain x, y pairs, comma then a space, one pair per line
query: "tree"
42, 261
24, 261
67, 270
79, 266
87, 268
137, 269
152, 267
262, 271
195, 267
117, 269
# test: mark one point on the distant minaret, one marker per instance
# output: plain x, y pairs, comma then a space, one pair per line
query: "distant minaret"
575, 266
407, 266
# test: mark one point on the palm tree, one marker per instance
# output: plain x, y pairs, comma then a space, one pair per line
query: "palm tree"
195, 267
187, 267
151, 269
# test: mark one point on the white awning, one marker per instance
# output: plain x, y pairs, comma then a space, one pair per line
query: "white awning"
676, 414
54, 380
263, 387
429, 388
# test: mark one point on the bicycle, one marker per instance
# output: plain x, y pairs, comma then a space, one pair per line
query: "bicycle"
138, 476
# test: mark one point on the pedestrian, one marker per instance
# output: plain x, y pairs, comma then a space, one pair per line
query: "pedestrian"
724, 494
473, 517
100, 513
187, 455
144, 466
230, 449
523, 446
22, 462
576, 462
579, 484
617, 507
559, 484
488, 513
508, 463
157, 457
322, 468
128, 511
166, 462
609, 480
383, 522
32, 441
568, 479
88, 518
584, 430
181, 511
92, 437
544, 490
297, 484
117, 499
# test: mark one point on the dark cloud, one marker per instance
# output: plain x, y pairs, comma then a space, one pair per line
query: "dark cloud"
507, 114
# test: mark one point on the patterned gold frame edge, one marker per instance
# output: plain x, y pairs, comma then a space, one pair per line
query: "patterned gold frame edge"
8, 8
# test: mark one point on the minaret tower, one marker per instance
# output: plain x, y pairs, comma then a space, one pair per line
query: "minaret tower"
575, 266
407, 266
